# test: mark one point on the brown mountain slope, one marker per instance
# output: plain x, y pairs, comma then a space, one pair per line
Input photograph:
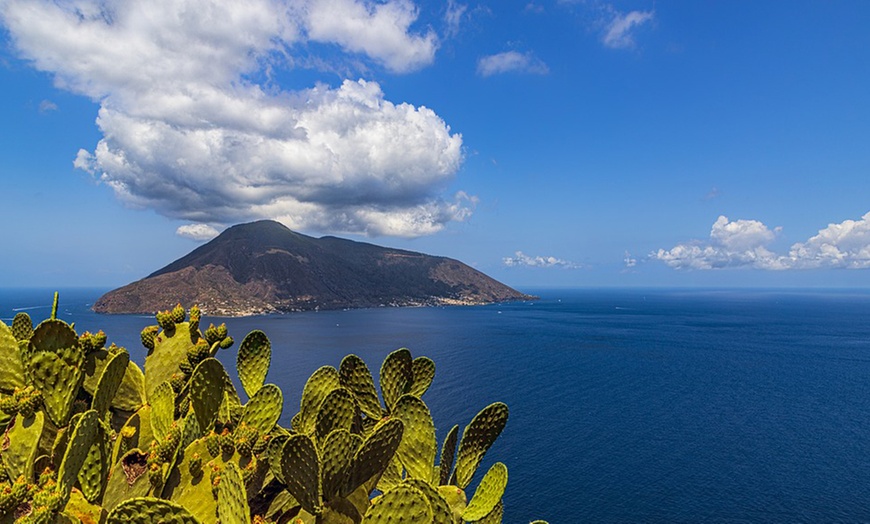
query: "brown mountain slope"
262, 267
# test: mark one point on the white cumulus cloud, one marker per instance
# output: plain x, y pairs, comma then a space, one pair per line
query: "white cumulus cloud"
520, 259
511, 61
843, 245
194, 128
744, 243
198, 232
619, 33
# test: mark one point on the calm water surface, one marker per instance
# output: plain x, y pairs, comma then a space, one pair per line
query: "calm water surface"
626, 405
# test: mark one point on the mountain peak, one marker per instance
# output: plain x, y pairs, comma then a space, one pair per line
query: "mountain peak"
263, 266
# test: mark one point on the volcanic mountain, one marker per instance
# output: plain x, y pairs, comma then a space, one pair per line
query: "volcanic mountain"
264, 267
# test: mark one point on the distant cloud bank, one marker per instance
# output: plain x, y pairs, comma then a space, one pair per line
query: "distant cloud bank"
743, 243
520, 259
195, 126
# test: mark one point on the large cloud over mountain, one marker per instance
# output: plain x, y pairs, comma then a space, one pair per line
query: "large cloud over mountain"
195, 126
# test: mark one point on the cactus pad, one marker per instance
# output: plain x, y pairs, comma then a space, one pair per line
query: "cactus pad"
318, 386
95, 468
54, 359
300, 469
495, 516
448, 453
396, 376
336, 453
85, 433
22, 326
404, 503
149, 510
170, 350
374, 455
162, 410
11, 368
252, 362
232, 499
336, 412
356, 377
264, 409
110, 381
418, 447
207, 391
441, 513
423, 369
488, 493
477, 438
22, 444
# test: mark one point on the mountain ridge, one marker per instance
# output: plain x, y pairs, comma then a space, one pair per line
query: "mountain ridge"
264, 267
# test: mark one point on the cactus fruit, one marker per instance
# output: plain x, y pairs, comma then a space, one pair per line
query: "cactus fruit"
253, 360
91, 342
178, 314
195, 316
477, 438
148, 335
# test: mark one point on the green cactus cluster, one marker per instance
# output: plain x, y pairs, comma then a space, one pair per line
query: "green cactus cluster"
90, 437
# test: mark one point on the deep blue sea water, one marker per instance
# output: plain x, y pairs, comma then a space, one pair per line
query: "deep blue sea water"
626, 405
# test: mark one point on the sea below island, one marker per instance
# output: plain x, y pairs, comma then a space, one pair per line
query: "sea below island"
626, 405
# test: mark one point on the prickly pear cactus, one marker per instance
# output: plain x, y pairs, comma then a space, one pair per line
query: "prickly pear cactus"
150, 510
232, 499
477, 438
21, 451
255, 355
11, 367
397, 376
418, 447
488, 493
356, 377
54, 361
90, 438
404, 503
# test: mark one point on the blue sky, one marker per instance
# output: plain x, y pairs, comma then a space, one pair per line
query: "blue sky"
547, 143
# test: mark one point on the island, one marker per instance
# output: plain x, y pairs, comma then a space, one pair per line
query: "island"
264, 267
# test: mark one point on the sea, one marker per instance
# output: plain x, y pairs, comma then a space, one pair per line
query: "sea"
626, 405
